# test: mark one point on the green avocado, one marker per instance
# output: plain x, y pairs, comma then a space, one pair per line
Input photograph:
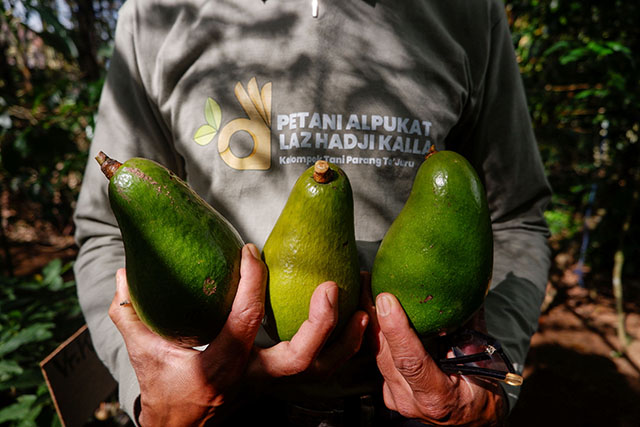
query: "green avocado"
437, 256
313, 241
182, 257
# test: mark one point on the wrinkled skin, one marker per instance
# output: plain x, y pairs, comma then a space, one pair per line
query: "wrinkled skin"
415, 386
185, 387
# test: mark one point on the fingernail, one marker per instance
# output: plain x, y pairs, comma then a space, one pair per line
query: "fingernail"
254, 250
332, 295
383, 305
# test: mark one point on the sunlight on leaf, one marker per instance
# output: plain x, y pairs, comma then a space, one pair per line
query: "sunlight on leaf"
561, 45
204, 135
18, 410
9, 368
619, 47
33, 333
574, 55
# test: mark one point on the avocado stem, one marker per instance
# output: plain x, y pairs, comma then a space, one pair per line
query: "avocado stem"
432, 151
322, 173
108, 166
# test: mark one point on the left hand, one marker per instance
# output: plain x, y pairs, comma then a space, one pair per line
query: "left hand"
415, 386
183, 386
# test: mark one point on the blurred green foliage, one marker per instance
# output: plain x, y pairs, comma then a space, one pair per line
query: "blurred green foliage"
50, 81
53, 57
579, 63
36, 315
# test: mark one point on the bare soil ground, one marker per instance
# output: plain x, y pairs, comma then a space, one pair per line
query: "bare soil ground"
576, 373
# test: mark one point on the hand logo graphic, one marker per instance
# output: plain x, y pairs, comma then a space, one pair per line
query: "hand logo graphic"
257, 104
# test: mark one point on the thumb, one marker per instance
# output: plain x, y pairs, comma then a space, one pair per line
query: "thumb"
124, 316
236, 338
408, 354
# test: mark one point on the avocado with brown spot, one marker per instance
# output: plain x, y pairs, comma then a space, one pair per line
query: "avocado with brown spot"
437, 256
182, 256
313, 241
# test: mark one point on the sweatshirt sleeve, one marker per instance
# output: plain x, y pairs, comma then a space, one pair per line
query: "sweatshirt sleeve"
504, 151
127, 125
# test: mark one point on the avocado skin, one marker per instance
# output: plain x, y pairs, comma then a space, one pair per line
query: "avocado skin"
437, 256
182, 257
313, 241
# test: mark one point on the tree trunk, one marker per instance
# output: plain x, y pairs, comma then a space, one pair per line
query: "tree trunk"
618, 263
86, 39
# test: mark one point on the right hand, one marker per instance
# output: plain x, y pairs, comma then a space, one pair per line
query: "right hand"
182, 386
414, 385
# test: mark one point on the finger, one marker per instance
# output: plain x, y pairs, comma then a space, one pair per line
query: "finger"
248, 307
295, 356
366, 302
240, 329
384, 359
409, 357
388, 397
323, 318
393, 380
136, 335
376, 337
345, 347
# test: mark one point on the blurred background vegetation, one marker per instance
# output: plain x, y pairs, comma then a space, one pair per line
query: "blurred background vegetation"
579, 63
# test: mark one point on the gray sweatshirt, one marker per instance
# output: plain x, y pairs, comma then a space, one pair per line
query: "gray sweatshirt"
238, 97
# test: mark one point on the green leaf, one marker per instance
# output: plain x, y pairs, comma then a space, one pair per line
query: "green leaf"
587, 93
619, 47
599, 49
617, 80
29, 419
29, 379
574, 55
205, 135
561, 45
52, 274
577, 188
213, 113
9, 368
55, 422
558, 221
18, 410
34, 333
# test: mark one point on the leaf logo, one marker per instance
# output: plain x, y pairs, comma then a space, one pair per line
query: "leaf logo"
213, 115
256, 103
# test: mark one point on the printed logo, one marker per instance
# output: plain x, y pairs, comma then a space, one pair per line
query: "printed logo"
303, 137
257, 105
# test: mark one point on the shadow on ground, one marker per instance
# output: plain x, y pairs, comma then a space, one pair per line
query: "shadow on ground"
569, 388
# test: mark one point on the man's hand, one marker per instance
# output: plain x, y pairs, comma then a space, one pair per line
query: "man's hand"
182, 386
415, 387
302, 355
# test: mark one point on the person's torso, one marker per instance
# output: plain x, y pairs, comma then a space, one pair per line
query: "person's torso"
255, 92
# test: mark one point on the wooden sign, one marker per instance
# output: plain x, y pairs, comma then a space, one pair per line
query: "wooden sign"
77, 379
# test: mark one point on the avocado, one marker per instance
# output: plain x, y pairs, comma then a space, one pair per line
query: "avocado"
182, 257
437, 255
313, 241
